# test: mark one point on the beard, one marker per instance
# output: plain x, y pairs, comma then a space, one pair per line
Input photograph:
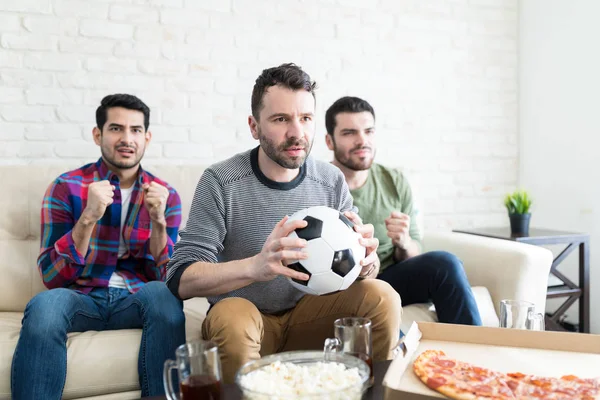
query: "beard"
111, 158
359, 164
277, 153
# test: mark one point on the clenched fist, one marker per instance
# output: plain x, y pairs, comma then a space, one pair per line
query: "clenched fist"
99, 196
398, 227
155, 201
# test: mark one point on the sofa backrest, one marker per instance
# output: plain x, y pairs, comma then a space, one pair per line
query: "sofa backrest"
23, 188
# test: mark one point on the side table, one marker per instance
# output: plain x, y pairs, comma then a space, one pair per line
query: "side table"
568, 289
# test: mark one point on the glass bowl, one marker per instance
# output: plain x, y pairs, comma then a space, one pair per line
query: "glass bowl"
306, 358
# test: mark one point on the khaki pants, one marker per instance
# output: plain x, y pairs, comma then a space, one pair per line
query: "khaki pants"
243, 333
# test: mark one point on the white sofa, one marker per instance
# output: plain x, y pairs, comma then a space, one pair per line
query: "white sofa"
497, 270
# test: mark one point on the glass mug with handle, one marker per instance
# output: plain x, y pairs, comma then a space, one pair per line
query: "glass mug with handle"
352, 337
199, 370
520, 314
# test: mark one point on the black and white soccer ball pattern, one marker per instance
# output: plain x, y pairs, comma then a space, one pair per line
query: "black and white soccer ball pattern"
333, 248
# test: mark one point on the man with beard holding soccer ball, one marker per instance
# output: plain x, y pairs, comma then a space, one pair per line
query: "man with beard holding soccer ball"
235, 250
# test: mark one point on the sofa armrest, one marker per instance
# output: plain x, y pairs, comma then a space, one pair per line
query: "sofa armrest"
508, 269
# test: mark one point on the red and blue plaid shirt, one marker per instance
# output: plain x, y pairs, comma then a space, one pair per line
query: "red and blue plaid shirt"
61, 265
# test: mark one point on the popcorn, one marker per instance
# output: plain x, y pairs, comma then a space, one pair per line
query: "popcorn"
322, 380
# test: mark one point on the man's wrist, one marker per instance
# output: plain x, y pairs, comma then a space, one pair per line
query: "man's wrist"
160, 223
403, 245
398, 254
249, 270
86, 220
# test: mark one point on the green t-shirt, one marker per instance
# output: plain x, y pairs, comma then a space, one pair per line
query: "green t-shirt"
386, 190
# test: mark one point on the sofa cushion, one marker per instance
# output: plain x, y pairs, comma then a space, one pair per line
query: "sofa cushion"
426, 311
109, 356
195, 311
20, 276
14, 203
423, 312
486, 306
10, 324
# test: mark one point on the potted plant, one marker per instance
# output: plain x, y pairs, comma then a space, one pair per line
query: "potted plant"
518, 204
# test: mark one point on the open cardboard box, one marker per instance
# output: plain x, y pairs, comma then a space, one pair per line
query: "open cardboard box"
504, 350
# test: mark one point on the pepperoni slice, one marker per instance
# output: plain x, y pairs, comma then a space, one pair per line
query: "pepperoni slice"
541, 382
444, 363
483, 389
478, 377
513, 385
481, 372
435, 382
571, 378
443, 371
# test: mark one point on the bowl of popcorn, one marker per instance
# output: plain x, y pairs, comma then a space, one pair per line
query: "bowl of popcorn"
305, 375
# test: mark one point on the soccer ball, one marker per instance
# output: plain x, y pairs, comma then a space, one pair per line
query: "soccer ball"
334, 252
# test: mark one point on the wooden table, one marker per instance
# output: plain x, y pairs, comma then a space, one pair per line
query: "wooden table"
232, 392
568, 289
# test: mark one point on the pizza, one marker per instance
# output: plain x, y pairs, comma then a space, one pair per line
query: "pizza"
464, 381
567, 387
458, 379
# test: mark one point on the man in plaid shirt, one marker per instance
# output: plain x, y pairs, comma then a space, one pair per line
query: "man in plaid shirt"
108, 230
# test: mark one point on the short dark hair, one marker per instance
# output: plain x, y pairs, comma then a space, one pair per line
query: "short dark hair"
347, 104
127, 101
288, 75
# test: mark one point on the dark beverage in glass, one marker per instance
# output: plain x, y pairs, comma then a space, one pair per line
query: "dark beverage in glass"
198, 368
200, 387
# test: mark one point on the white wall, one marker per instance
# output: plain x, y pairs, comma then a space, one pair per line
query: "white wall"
559, 88
442, 76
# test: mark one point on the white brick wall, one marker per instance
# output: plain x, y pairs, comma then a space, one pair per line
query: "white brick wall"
440, 74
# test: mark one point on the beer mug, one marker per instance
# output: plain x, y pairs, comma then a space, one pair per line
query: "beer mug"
352, 337
199, 370
519, 314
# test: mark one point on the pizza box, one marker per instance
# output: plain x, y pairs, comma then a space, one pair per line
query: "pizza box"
551, 354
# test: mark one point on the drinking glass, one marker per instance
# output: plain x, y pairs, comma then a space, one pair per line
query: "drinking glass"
520, 314
199, 370
353, 337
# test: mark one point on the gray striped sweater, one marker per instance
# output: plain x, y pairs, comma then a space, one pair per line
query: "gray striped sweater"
235, 208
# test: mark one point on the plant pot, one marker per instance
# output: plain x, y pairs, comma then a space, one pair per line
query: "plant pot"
519, 223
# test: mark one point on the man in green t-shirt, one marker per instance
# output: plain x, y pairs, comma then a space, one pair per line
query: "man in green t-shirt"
384, 198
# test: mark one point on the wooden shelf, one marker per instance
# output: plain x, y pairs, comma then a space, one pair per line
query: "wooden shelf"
562, 291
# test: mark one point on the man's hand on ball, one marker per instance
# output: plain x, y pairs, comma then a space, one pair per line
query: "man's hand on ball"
279, 251
398, 226
369, 271
370, 264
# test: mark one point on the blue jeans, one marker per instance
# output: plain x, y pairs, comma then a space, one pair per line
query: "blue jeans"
39, 366
437, 276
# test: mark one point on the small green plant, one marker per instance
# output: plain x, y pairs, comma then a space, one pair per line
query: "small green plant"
517, 202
